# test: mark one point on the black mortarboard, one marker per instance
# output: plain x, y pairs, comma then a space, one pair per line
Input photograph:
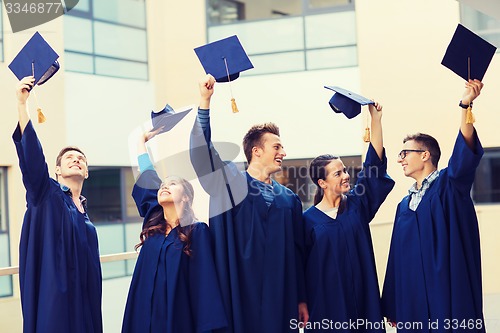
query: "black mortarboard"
468, 55
36, 58
347, 102
223, 58
167, 118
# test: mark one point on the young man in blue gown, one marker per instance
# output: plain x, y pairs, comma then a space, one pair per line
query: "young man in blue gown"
433, 277
256, 226
59, 268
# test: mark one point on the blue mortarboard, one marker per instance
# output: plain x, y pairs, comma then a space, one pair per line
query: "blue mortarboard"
36, 58
468, 55
167, 118
347, 102
223, 58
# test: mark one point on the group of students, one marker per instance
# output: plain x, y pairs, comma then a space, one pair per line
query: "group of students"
261, 264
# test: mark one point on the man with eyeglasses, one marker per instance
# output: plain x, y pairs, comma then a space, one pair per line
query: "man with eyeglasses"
433, 277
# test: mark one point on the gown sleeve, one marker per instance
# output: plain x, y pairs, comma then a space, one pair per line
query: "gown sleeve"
374, 184
32, 163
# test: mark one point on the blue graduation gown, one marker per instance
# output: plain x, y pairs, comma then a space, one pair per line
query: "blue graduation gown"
434, 267
171, 292
59, 269
341, 277
259, 250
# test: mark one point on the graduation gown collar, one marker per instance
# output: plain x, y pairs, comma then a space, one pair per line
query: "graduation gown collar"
254, 194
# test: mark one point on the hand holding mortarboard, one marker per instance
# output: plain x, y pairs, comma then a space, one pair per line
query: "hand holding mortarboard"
468, 56
349, 103
224, 59
36, 59
23, 89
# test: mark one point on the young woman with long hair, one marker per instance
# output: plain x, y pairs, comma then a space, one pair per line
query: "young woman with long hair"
174, 287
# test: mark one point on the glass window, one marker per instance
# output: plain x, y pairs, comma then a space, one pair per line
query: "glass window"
107, 38
83, 5
5, 281
112, 210
277, 63
127, 12
78, 34
485, 26
332, 58
102, 190
312, 4
231, 11
486, 188
120, 42
314, 39
329, 30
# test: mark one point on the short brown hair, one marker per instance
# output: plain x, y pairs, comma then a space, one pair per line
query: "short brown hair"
253, 138
426, 142
64, 151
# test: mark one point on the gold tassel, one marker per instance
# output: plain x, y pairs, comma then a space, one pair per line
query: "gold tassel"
366, 138
41, 116
233, 106
469, 118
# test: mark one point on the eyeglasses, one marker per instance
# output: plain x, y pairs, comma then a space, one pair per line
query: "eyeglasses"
402, 154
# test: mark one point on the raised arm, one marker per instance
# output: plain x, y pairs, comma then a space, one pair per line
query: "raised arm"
472, 91
22, 94
376, 131
374, 184
147, 185
468, 150
226, 185
29, 149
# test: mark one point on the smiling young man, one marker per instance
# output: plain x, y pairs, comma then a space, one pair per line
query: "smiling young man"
59, 268
256, 226
433, 277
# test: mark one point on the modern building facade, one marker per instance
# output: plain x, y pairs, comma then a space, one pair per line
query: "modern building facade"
121, 59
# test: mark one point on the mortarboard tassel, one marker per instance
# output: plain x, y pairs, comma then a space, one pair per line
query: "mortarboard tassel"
366, 137
233, 101
234, 106
469, 118
41, 116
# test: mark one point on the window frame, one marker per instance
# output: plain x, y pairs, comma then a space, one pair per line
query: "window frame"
489, 154
4, 204
467, 11
89, 15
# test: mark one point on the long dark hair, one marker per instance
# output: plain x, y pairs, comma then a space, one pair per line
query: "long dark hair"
317, 171
158, 225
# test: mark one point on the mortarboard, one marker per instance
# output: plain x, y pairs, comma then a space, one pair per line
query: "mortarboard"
347, 102
167, 118
224, 60
36, 59
468, 55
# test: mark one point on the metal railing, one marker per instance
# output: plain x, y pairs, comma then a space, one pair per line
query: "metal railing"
104, 258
